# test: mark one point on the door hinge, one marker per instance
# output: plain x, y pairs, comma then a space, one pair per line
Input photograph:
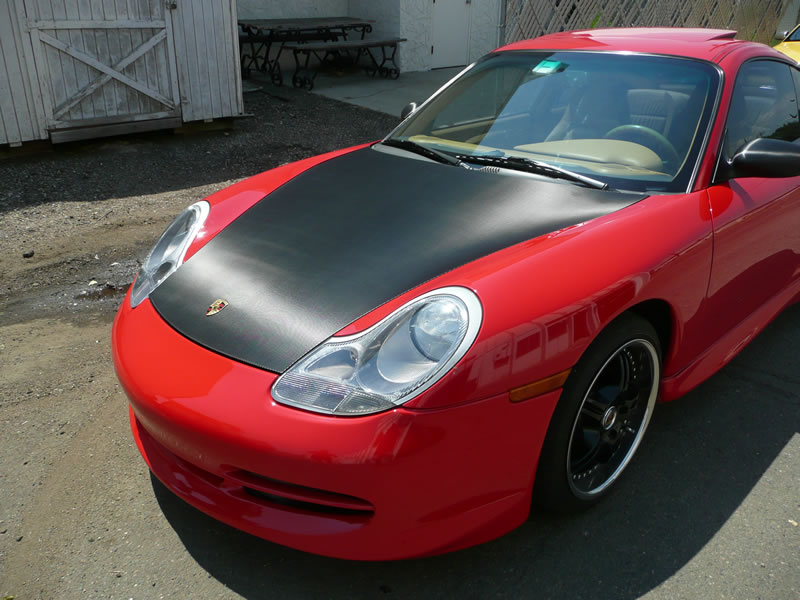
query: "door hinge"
431, 49
171, 4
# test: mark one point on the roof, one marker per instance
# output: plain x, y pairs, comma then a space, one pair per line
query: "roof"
706, 44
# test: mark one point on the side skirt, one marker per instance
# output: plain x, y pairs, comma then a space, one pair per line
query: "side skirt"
728, 346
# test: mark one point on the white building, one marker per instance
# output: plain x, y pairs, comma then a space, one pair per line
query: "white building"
440, 33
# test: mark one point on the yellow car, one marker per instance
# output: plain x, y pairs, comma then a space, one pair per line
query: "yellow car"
790, 45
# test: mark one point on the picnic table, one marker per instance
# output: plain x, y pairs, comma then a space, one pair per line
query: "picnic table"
350, 50
259, 35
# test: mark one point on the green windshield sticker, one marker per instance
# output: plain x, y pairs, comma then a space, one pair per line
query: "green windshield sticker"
548, 66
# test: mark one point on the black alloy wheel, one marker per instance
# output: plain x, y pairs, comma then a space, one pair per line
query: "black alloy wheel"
601, 417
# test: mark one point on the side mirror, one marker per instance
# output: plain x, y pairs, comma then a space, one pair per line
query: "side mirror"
763, 158
407, 110
781, 35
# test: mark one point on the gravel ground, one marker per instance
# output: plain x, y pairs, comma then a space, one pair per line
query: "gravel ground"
88, 211
709, 510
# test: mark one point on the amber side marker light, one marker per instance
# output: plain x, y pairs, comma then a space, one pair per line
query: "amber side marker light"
537, 388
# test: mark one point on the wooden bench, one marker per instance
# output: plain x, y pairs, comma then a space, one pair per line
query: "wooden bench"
353, 50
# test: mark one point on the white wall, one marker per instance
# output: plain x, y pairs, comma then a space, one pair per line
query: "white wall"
485, 30
280, 9
385, 13
416, 24
409, 19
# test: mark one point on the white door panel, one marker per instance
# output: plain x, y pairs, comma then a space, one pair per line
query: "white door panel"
451, 23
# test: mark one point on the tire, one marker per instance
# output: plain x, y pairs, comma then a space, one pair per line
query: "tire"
601, 417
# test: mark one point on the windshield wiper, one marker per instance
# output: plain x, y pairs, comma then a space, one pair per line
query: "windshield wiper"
416, 148
530, 165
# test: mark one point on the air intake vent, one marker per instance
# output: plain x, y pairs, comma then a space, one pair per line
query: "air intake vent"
306, 506
298, 496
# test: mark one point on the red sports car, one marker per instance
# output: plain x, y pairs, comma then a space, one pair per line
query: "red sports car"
395, 350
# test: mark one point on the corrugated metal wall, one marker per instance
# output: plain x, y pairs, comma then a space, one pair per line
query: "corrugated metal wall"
753, 19
21, 110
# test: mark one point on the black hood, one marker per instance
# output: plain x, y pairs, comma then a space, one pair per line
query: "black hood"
345, 237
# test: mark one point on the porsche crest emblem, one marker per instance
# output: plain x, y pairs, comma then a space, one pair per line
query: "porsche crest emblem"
216, 307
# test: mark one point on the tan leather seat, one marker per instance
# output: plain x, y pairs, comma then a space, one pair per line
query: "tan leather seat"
656, 109
595, 108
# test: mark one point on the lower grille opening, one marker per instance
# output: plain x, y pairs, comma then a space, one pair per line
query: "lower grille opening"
306, 506
299, 496
281, 493
214, 480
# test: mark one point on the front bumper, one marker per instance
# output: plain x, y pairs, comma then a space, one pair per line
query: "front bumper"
398, 484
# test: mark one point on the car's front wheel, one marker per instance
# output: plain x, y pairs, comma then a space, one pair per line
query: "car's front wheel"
601, 417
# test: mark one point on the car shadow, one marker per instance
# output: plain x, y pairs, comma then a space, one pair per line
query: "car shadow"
702, 456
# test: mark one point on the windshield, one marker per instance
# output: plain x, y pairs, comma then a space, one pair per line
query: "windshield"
635, 122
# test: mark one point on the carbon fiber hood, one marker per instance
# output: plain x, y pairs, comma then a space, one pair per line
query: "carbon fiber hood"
345, 237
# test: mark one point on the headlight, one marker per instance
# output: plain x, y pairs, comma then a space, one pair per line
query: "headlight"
169, 251
388, 364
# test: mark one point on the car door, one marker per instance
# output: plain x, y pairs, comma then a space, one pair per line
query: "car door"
756, 220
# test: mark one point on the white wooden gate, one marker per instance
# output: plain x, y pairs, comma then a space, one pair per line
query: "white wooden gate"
104, 64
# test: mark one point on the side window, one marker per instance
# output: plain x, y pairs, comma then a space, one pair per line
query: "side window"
796, 76
764, 104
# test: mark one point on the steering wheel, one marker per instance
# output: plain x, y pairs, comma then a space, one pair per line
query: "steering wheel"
639, 134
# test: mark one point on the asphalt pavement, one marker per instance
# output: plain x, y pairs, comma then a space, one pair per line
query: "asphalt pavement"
709, 509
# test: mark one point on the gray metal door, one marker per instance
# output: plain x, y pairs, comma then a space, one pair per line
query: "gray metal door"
451, 22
